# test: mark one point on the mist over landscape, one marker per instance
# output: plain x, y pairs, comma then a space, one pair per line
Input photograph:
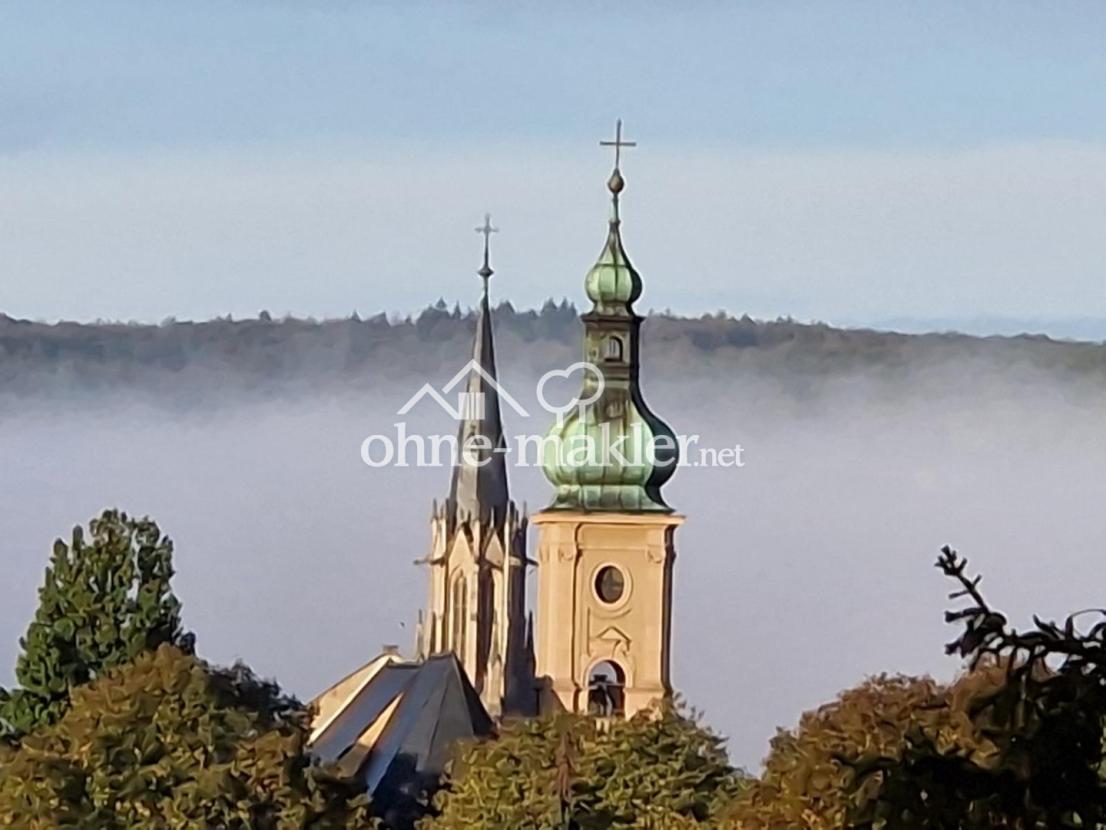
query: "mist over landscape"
248, 252
798, 574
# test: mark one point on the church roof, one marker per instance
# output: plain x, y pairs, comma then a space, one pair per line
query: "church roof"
397, 719
479, 490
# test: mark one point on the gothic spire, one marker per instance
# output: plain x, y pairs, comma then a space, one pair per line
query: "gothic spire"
479, 484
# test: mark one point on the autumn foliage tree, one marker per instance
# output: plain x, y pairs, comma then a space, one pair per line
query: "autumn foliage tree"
814, 776
168, 742
105, 599
1016, 742
655, 770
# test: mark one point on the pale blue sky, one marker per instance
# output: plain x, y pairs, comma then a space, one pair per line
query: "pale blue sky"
852, 161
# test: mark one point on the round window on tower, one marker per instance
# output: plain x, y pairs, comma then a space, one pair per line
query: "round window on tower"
610, 584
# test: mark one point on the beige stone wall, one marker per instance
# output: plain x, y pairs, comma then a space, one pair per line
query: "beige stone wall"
476, 605
578, 629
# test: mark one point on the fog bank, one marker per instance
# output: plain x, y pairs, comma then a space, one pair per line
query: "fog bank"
798, 574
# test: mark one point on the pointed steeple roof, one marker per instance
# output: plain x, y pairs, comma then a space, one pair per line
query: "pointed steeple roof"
479, 484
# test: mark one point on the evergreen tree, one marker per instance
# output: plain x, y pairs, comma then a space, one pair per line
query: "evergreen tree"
167, 743
105, 599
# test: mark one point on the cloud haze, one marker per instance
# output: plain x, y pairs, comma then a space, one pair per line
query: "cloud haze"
201, 158
797, 575
852, 235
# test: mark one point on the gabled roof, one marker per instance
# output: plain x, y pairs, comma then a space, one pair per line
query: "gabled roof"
405, 717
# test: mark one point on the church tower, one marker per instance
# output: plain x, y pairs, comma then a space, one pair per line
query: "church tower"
606, 549
477, 561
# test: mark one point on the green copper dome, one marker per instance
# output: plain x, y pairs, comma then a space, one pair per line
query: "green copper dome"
611, 453
612, 284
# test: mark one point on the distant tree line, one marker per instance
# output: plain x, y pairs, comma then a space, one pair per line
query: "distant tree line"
263, 353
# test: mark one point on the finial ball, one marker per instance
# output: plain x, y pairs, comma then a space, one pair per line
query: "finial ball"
615, 183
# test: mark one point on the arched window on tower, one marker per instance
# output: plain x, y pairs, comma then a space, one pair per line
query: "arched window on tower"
612, 349
607, 690
485, 615
460, 612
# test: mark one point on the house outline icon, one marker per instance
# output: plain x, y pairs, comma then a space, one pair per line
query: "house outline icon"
465, 406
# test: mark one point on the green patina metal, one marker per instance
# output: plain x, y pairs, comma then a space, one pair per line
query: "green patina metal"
612, 454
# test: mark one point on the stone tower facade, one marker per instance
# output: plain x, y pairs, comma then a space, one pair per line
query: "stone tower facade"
477, 563
606, 544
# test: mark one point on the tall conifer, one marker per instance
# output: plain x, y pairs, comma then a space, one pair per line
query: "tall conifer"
105, 599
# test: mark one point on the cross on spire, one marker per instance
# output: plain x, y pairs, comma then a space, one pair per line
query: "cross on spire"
487, 229
618, 144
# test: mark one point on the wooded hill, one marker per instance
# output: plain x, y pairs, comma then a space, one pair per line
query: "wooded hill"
263, 355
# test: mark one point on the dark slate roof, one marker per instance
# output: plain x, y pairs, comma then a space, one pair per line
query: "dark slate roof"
480, 490
435, 706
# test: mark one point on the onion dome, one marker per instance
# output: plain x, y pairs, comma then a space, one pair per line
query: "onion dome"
610, 452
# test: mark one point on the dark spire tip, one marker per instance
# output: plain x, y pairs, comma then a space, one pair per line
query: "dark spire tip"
487, 230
